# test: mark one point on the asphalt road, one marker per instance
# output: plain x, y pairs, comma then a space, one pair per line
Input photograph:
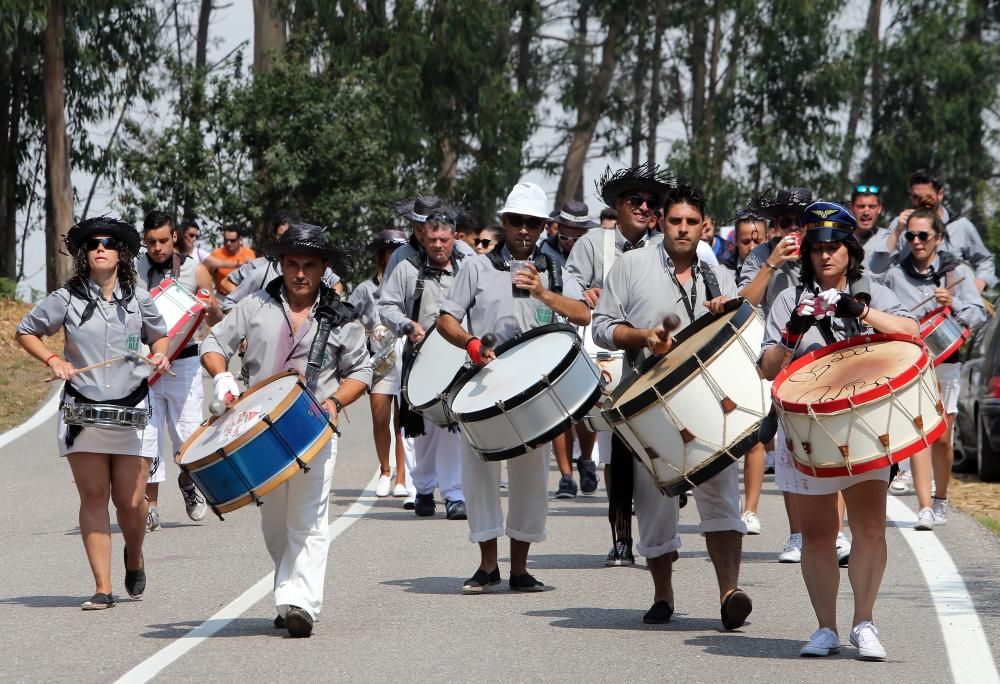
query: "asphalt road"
394, 612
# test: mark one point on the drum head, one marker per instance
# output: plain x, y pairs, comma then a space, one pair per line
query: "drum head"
260, 400
515, 370
847, 370
436, 364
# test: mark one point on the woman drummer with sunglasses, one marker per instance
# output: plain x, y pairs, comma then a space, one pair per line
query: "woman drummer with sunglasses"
106, 318
831, 274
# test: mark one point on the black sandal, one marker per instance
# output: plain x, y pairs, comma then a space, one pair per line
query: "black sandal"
98, 601
736, 609
135, 580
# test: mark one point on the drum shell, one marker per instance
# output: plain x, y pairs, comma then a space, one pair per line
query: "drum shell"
537, 415
263, 457
942, 333
446, 362
872, 429
687, 434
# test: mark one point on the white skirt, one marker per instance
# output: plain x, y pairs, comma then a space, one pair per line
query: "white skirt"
790, 479
101, 440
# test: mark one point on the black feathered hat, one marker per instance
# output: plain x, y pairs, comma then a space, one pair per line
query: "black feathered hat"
771, 203
649, 177
125, 233
304, 238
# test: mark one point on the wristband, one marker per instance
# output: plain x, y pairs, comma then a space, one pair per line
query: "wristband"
51, 356
475, 346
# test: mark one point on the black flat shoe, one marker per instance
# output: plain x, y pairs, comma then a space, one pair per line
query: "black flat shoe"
659, 614
135, 580
98, 601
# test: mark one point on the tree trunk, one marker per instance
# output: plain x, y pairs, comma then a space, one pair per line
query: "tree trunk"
866, 56
589, 114
268, 34
656, 73
59, 216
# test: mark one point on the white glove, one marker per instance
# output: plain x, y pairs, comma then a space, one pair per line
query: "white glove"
807, 305
224, 384
379, 333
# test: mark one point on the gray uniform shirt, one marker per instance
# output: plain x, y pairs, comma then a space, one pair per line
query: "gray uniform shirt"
254, 275
883, 299
641, 290
395, 304
961, 239
272, 347
404, 252
967, 305
483, 296
112, 330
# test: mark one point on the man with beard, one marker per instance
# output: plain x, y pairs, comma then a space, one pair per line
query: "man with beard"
641, 289
176, 400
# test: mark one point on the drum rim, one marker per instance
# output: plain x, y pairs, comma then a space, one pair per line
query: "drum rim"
740, 317
404, 384
199, 313
239, 442
466, 374
899, 382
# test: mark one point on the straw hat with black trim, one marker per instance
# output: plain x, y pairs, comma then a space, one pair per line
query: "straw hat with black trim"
125, 233
648, 177
828, 222
304, 238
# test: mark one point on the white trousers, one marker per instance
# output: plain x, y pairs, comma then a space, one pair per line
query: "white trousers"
718, 502
438, 456
295, 521
177, 409
527, 496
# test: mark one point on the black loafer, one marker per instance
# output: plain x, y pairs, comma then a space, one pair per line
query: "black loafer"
659, 614
135, 580
525, 582
482, 579
98, 601
299, 622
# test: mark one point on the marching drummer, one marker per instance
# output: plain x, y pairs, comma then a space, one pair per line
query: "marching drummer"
641, 289
925, 279
798, 323
106, 318
483, 295
637, 196
281, 328
409, 301
178, 400
382, 397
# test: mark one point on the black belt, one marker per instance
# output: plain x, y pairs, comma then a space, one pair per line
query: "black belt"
187, 352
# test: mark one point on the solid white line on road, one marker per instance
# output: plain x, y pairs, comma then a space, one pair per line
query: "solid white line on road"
47, 410
968, 650
149, 668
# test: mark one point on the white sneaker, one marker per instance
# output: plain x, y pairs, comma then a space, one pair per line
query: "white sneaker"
940, 509
400, 491
752, 522
865, 637
792, 553
925, 520
383, 486
843, 549
902, 484
823, 642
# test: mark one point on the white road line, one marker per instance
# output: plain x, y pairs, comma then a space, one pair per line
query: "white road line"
968, 649
153, 665
47, 410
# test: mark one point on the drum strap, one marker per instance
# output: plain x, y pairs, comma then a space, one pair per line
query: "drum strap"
133, 399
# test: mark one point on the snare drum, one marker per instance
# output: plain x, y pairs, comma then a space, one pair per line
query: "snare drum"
611, 365
427, 381
860, 404
692, 413
266, 437
942, 333
540, 383
183, 313
106, 416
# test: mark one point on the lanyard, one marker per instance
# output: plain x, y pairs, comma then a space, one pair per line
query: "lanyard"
688, 305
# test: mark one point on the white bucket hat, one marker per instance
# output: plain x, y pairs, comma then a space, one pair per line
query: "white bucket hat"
527, 199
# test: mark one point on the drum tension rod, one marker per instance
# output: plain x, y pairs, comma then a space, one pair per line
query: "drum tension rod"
281, 438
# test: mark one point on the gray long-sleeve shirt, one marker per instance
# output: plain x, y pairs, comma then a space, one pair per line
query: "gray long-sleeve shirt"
640, 291
114, 329
967, 305
395, 303
272, 347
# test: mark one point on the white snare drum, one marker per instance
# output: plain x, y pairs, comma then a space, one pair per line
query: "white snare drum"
943, 334
540, 383
692, 413
183, 313
611, 364
860, 404
426, 381
106, 416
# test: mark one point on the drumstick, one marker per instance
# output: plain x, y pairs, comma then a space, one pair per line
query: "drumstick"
932, 296
90, 367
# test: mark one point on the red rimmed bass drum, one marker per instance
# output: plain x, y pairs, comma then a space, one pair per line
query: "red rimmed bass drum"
860, 404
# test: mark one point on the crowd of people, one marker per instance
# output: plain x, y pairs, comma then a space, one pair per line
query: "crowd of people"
817, 271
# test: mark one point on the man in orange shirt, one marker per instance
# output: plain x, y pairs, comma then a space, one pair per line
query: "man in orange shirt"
232, 248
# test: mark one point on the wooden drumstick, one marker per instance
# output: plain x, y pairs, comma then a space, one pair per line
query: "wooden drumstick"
948, 287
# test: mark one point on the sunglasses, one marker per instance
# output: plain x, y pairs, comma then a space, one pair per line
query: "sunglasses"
652, 203
106, 242
867, 189
484, 242
567, 238
923, 235
532, 222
